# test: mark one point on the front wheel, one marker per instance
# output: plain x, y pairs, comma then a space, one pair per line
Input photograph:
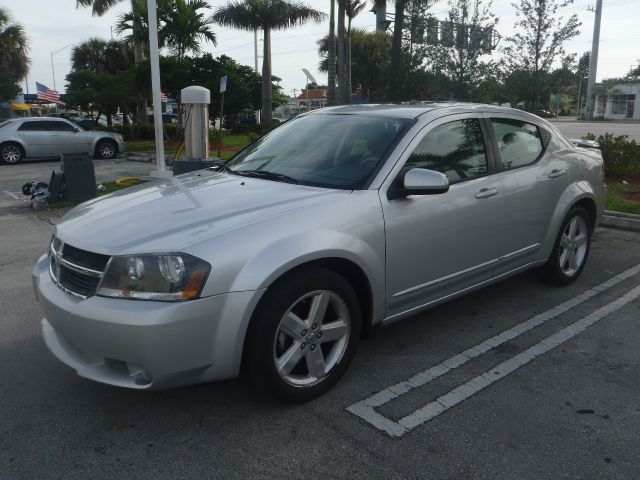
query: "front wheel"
11, 153
303, 335
106, 149
571, 249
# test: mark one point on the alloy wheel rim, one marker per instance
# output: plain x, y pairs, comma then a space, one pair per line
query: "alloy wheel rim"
573, 246
11, 154
106, 150
311, 338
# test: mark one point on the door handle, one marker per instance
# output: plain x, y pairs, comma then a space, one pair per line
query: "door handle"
486, 192
556, 173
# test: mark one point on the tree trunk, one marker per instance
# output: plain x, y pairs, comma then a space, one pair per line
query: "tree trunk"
341, 52
396, 53
141, 108
266, 115
381, 15
347, 65
331, 57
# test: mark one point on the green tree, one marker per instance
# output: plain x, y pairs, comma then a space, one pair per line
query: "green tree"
14, 55
352, 9
463, 63
530, 53
371, 55
266, 15
184, 26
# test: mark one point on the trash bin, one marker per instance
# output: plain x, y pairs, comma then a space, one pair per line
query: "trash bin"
79, 177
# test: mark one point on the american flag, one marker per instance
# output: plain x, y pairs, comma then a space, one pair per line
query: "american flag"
163, 97
45, 94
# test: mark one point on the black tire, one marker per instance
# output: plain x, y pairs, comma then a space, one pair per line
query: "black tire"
106, 149
265, 337
553, 272
11, 153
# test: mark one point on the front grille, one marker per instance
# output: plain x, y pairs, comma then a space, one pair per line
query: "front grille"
76, 271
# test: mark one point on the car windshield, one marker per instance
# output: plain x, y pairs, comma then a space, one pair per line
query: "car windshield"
325, 150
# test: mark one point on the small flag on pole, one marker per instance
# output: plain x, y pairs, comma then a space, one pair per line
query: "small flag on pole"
45, 94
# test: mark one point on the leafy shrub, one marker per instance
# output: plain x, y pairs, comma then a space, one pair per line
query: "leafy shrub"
140, 131
621, 156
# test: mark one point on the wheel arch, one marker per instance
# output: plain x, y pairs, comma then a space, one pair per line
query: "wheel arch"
97, 141
577, 194
15, 142
348, 269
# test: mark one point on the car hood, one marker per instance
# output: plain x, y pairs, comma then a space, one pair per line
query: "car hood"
171, 214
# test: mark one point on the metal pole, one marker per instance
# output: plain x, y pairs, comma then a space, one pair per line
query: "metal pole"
308, 105
53, 73
154, 57
593, 67
579, 99
220, 126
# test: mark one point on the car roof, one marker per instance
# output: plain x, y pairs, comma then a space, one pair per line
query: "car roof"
414, 110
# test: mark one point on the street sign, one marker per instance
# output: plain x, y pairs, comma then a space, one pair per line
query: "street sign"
223, 84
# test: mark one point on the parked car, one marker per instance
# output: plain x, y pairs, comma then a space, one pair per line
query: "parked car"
48, 137
279, 261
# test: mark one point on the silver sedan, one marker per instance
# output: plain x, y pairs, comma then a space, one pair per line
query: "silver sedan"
279, 261
48, 137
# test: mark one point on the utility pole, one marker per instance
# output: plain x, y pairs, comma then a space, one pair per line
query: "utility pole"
594, 62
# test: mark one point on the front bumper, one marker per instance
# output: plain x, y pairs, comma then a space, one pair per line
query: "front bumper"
144, 344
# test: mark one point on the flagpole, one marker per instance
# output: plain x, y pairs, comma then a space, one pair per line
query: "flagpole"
154, 57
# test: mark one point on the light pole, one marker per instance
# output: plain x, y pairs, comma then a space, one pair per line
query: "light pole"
53, 72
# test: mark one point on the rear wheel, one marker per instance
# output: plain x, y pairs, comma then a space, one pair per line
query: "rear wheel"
11, 153
571, 249
106, 149
303, 335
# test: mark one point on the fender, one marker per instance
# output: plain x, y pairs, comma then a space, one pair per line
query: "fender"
20, 142
574, 192
283, 255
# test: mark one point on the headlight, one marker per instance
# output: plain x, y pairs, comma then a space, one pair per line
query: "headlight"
168, 277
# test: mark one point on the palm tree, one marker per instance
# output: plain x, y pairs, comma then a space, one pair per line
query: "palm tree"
331, 77
99, 56
184, 27
352, 9
396, 51
14, 47
266, 15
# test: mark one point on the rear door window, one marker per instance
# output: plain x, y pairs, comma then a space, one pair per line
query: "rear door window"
33, 127
519, 143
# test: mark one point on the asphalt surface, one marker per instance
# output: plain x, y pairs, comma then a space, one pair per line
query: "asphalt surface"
571, 412
578, 129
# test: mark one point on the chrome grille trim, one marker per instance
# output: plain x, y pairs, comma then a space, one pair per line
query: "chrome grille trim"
77, 280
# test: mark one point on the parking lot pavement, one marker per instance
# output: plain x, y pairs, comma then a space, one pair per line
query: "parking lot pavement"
564, 403
12, 177
578, 129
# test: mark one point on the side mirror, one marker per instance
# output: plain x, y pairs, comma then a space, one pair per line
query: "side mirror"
420, 181
76, 129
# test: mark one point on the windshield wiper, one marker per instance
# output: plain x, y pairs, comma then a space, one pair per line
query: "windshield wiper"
278, 177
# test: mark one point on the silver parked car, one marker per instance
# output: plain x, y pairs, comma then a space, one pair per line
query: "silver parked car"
48, 137
280, 260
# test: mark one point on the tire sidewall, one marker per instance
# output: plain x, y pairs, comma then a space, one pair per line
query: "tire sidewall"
266, 319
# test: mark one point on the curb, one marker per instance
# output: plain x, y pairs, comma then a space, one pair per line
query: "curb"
621, 221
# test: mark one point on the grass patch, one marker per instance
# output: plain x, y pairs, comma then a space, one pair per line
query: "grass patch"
623, 198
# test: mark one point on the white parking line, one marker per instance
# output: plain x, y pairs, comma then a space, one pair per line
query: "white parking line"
365, 409
12, 194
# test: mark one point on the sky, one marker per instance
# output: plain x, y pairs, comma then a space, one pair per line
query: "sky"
56, 25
